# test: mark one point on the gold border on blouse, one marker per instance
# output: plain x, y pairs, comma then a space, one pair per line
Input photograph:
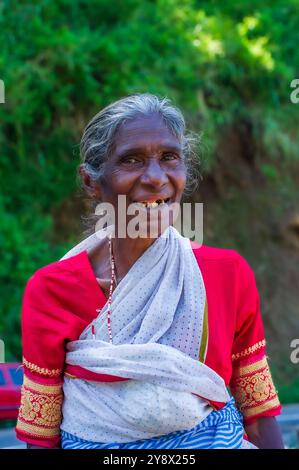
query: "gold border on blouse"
256, 410
253, 388
37, 430
205, 334
250, 350
41, 370
41, 388
40, 408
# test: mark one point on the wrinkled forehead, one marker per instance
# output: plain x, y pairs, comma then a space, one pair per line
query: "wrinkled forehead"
145, 132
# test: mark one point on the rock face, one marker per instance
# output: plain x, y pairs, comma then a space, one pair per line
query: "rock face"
256, 212
290, 229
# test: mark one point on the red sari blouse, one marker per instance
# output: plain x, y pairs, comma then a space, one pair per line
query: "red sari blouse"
61, 299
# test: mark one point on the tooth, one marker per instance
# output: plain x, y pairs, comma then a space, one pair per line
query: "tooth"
151, 205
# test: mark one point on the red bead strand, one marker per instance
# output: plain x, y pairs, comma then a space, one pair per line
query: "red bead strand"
112, 282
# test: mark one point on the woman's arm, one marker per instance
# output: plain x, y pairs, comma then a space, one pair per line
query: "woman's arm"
43, 338
265, 433
251, 381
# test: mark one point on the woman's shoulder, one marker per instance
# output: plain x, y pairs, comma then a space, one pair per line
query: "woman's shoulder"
209, 255
62, 268
215, 253
59, 285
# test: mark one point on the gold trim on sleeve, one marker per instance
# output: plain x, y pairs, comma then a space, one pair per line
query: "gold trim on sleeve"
37, 431
250, 368
250, 350
41, 388
253, 389
269, 405
40, 410
41, 370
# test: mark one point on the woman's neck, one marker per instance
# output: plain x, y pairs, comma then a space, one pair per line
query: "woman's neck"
126, 252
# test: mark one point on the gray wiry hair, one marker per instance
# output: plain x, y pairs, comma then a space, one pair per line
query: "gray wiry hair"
98, 137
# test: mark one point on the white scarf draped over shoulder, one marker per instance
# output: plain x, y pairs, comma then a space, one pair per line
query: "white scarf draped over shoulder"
157, 317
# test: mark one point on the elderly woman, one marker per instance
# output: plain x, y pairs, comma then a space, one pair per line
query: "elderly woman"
133, 341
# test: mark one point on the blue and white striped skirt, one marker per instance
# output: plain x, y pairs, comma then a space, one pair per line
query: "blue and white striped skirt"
222, 429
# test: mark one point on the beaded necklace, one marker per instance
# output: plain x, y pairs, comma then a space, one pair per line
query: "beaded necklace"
112, 282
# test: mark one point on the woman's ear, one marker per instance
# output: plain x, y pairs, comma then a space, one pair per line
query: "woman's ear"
91, 187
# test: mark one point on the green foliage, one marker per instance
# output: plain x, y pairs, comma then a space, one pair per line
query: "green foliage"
289, 393
62, 60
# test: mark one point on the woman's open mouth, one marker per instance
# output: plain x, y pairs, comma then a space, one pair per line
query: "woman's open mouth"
152, 204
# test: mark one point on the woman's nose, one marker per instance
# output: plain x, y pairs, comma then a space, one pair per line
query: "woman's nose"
153, 174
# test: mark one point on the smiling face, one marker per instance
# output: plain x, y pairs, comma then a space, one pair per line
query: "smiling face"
146, 165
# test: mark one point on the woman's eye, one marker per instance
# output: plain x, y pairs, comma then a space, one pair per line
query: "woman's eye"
170, 156
130, 160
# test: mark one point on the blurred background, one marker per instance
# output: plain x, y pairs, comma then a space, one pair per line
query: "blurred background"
228, 65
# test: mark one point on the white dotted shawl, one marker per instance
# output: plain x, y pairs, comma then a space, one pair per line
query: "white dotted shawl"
157, 322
